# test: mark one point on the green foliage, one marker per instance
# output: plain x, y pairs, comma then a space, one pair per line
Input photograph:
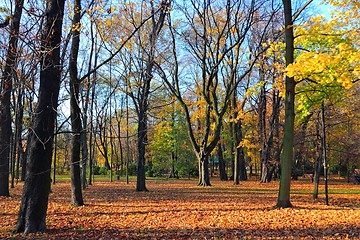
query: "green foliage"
132, 169
170, 146
100, 170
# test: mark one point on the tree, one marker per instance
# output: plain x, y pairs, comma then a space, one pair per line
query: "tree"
6, 88
215, 39
288, 141
169, 148
328, 68
222, 169
75, 111
141, 91
34, 200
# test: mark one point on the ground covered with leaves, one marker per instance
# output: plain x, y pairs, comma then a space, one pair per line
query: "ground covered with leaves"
181, 210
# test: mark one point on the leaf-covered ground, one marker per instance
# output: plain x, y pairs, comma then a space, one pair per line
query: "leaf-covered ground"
182, 210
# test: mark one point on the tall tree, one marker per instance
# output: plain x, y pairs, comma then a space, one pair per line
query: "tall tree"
6, 88
141, 96
34, 200
288, 141
75, 111
215, 37
329, 64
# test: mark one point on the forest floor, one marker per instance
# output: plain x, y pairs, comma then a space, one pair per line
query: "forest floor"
178, 209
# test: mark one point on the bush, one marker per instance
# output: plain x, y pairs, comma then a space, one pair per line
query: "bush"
132, 170
100, 170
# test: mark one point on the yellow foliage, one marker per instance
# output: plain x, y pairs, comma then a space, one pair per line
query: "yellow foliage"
332, 48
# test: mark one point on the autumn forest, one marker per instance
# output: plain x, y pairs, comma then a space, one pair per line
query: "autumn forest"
168, 119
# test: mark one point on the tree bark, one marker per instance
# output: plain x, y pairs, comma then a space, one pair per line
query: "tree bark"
223, 175
317, 162
239, 161
264, 160
34, 201
75, 112
324, 156
288, 140
24, 158
6, 88
18, 132
93, 87
142, 132
204, 176
85, 152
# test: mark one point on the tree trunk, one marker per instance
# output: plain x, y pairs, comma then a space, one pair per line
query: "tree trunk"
239, 161
301, 149
232, 150
18, 132
142, 132
266, 173
6, 88
276, 146
240, 152
24, 158
288, 141
317, 165
264, 160
85, 153
143, 100
55, 153
34, 201
324, 156
127, 137
75, 112
93, 87
91, 135
223, 175
204, 176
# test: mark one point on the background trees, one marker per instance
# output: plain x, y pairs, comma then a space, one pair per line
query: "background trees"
194, 87
6, 89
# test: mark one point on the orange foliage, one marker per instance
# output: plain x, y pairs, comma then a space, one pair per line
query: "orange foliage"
181, 210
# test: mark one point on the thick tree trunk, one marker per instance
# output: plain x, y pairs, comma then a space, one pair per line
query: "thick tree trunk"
288, 141
75, 112
223, 174
204, 176
240, 153
6, 88
266, 173
34, 201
